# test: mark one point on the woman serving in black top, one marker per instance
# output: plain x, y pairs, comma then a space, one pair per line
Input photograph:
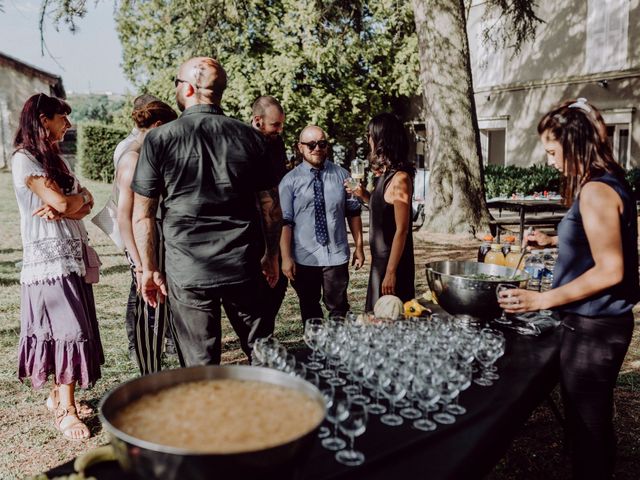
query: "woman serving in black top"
595, 279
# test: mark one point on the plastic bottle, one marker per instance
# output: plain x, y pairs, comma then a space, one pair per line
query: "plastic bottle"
485, 246
513, 257
507, 243
495, 255
549, 261
534, 266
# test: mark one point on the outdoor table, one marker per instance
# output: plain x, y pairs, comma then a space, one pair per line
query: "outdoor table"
523, 207
469, 448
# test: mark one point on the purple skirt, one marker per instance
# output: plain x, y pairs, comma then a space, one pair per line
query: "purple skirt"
59, 333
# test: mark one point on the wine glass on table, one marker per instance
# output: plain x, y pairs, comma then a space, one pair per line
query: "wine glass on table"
314, 336
353, 426
336, 413
327, 392
503, 287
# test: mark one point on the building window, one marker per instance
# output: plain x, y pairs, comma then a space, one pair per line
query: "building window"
607, 35
619, 121
493, 139
493, 147
619, 138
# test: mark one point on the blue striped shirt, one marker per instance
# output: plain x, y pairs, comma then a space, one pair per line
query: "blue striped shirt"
296, 199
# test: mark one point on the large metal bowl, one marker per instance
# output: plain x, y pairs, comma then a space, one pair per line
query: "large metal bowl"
458, 294
153, 461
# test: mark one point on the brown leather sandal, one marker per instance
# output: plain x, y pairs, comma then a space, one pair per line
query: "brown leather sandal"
67, 422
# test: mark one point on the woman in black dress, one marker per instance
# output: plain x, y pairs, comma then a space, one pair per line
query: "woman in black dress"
390, 237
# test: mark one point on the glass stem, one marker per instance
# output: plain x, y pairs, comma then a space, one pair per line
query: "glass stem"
352, 439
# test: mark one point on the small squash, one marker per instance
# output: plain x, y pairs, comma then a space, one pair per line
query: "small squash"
388, 306
412, 308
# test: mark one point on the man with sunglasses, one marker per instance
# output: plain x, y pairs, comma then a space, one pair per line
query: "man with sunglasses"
268, 118
314, 244
211, 171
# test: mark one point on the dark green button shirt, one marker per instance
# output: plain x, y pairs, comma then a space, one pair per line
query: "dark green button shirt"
207, 168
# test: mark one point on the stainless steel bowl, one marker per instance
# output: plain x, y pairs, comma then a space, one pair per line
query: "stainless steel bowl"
460, 295
153, 461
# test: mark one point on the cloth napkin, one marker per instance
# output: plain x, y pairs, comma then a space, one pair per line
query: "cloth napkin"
534, 324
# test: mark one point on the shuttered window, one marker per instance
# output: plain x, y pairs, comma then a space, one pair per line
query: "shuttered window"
607, 35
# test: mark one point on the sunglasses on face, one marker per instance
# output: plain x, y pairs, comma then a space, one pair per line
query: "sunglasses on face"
322, 144
177, 81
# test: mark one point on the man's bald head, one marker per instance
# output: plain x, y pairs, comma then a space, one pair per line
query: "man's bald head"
201, 80
312, 132
313, 145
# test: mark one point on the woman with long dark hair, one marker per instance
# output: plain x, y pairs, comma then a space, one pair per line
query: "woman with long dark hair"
58, 327
595, 279
390, 236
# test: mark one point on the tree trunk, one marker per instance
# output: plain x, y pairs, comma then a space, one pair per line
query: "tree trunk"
455, 202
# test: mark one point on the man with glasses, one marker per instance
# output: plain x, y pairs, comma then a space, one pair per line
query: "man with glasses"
268, 118
314, 244
209, 169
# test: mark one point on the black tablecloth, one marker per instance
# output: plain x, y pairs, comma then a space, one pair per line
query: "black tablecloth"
469, 448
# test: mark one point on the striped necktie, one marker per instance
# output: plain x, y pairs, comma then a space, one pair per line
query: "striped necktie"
322, 232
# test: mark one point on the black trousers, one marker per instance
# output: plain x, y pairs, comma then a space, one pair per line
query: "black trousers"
328, 283
591, 355
197, 319
270, 300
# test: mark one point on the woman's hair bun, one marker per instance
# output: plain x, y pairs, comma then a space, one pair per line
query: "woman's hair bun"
152, 112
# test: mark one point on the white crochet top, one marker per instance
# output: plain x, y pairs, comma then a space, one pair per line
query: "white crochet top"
51, 248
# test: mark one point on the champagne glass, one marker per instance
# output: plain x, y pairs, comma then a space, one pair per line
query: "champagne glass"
427, 390
357, 173
353, 426
502, 287
327, 392
314, 335
336, 413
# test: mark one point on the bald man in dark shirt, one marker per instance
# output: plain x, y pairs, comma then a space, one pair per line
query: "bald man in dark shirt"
209, 169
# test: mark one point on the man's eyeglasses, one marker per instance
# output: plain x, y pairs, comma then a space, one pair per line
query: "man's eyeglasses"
322, 144
177, 81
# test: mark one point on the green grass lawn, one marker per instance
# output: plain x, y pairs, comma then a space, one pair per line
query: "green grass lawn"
29, 444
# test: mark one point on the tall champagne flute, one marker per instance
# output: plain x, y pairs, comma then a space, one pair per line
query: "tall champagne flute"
353, 426
503, 287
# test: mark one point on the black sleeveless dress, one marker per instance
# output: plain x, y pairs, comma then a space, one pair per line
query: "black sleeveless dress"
382, 228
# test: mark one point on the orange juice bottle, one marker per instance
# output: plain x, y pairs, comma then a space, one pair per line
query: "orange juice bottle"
508, 242
484, 247
495, 255
513, 257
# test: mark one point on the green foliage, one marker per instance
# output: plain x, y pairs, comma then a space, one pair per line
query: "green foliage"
500, 181
633, 177
331, 63
94, 108
96, 143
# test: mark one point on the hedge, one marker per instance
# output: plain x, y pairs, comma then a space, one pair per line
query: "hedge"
504, 181
500, 181
96, 143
